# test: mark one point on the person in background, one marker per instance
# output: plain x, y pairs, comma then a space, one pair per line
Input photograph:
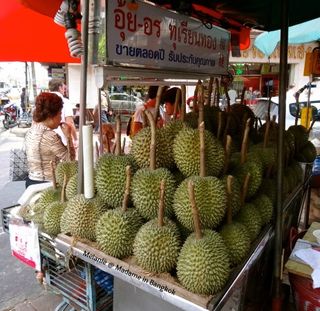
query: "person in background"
232, 95
168, 99
43, 144
58, 87
23, 98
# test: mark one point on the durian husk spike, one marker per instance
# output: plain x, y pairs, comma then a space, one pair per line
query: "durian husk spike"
161, 204
54, 181
230, 179
123, 145
200, 98
202, 151
227, 153
244, 145
63, 189
158, 101
266, 134
208, 102
195, 212
245, 188
153, 140
118, 136
127, 189
183, 102
177, 104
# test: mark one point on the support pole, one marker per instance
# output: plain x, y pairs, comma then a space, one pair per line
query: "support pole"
83, 89
276, 302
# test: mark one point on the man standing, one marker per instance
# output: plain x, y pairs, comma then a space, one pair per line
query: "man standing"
58, 87
23, 98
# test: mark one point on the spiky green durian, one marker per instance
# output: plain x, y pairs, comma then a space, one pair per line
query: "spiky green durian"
264, 205
186, 150
250, 217
50, 195
52, 216
80, 217
203, 265
68, 168
235, 198
210, 196
237, 241
145, 191
116, 230
156, 248
110, 178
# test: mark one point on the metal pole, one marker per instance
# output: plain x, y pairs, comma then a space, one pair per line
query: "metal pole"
276, 303
83, 89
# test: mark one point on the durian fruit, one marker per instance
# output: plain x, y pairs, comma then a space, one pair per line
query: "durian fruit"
110, 176
186, 150
210, 196
301, 136
157, 243
80, 217
146, 183
72, 187
68, 168
234, 234
307, 153
269, 188
203, 265
116, 229
264, 205
53, 212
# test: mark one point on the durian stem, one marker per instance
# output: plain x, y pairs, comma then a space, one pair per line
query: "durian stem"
209, 91
127, 189
177, 104
158, 102
226, 129
200, 98
183, 102
97, 150
227, 154
229, 195
68, 148
266, 134
195, 212
161, 204
217, 94
114, 147
195, 96
245, 188
118, 136
63, 189
54, 181
144, 119
153, 140
123, 145
202, 151
108, 144
225, 88
219, 124
244, 146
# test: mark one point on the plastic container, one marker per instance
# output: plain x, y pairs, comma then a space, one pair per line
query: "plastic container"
306, 297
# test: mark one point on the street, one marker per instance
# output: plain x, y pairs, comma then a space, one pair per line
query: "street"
18, 282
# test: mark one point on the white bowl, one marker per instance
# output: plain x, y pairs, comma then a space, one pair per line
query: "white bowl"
316, 233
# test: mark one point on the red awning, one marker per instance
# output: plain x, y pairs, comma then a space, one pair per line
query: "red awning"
27, 35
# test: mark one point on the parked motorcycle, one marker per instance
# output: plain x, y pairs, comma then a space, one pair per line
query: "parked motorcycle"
10, 113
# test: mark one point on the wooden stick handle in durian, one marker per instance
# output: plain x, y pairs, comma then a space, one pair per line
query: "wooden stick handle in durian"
153, 140
144, 119
183, 102
226, 128
158, 102
266, 134
97, 150
118, 135
225, 88
219, 124
195, 212
244, 145
63, 189
200, 98
230, 180
195, 96
217, 93
108, 143
227, 154
245, 188
127, 189
53, 172
161, 204
68, 148
123, 145
202, 151
209, 91
177, 104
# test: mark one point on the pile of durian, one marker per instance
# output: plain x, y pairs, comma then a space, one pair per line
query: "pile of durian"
189, 199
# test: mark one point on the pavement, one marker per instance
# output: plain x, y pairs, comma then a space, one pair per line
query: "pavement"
19, 288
